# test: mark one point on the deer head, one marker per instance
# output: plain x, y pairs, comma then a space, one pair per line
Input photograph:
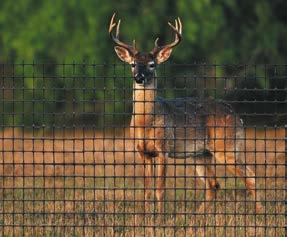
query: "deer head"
144, 64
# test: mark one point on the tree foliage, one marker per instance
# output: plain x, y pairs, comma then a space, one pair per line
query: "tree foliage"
234, 31
223, 31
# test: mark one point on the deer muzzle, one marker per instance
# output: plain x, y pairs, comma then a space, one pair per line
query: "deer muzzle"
140, 78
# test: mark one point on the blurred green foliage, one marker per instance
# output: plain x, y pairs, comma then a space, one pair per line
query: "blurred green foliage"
233, 31
222, 31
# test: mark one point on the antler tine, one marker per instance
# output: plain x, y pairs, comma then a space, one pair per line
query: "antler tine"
156, 42
134, 43
118, 28
116, 39
112, 24
176, 27
180, 25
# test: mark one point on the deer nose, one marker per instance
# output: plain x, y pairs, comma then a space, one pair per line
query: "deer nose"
139, 77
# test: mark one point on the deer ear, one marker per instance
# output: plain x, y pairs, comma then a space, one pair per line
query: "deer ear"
163, 55
124, 54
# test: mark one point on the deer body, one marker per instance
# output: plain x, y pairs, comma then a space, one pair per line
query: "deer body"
184, 122
207, 131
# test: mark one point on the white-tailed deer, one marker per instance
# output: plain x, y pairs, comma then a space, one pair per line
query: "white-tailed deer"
207, 131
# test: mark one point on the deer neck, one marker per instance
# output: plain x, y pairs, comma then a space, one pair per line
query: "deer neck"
143, 104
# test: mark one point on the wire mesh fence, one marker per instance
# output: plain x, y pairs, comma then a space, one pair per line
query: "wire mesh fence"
72, 163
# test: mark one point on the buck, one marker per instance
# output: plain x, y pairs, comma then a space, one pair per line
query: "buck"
207, 131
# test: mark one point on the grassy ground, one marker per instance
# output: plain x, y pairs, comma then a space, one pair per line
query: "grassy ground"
76, 185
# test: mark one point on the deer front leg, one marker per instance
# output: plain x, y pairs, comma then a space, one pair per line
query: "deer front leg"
148, 171
160, 182
148, 174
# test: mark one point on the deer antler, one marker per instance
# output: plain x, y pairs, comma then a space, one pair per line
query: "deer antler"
177, 29
132, 49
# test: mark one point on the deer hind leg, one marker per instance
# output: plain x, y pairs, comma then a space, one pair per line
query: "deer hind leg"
248, 177
207, 175
242, 171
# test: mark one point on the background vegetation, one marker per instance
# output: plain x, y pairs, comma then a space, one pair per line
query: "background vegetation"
241, 32
222, 31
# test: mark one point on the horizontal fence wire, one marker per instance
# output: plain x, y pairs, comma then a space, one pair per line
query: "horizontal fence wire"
85, 151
